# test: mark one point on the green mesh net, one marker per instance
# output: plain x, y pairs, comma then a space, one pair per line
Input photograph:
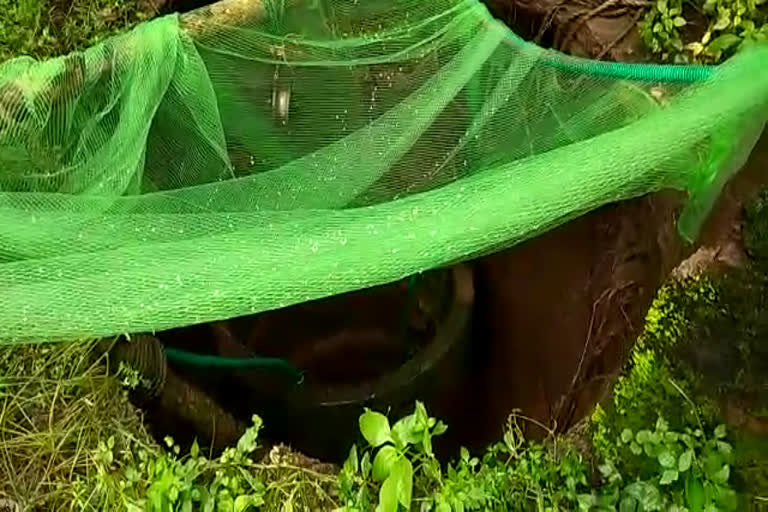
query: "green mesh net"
251, 156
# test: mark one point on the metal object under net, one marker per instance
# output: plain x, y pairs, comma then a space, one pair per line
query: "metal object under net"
251, 156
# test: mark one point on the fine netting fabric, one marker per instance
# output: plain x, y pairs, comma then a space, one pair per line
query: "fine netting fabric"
210, 166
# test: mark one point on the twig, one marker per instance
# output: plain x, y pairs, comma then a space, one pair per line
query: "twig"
690, 402
582, 17
624, 33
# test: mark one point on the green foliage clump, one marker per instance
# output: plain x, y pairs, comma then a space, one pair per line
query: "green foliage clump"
756, 231
48, 28
162, 480
653, 384
702, 31
70, 440
685, 470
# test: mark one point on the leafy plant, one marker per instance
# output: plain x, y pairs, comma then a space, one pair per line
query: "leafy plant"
397, 449
160, 482
727, 26
685, 470
682, 471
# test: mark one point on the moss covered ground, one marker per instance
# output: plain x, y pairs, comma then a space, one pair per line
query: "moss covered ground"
48, 28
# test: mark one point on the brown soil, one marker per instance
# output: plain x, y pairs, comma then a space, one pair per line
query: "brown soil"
559, 313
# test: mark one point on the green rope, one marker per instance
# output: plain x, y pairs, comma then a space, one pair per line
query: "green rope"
270, 363
214, 361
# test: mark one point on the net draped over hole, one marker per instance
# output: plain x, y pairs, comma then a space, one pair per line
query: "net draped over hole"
203, 168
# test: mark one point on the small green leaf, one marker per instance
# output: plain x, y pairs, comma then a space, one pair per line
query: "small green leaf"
723, 21
194, 450
365, 465
626, 435
646, 494
422, 418
723, 474
668, 476
375, 428
464, 454
439, 429
679, 21
351, 464
643, 436
586, 502
666, 459
724, 448
685, 460
426, 443
720, 431
246, 502
635, 448
383, 462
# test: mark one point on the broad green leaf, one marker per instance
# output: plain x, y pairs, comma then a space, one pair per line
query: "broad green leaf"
648, 495
726, 498
679, 21
685, 460
628, 504
626, 435
721, 44
724, 448
643, 436
666, 459
439, 429
388, 496
404, 432
383, 462
402, 471
586, 502
635, 448
375, 428
668, 476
